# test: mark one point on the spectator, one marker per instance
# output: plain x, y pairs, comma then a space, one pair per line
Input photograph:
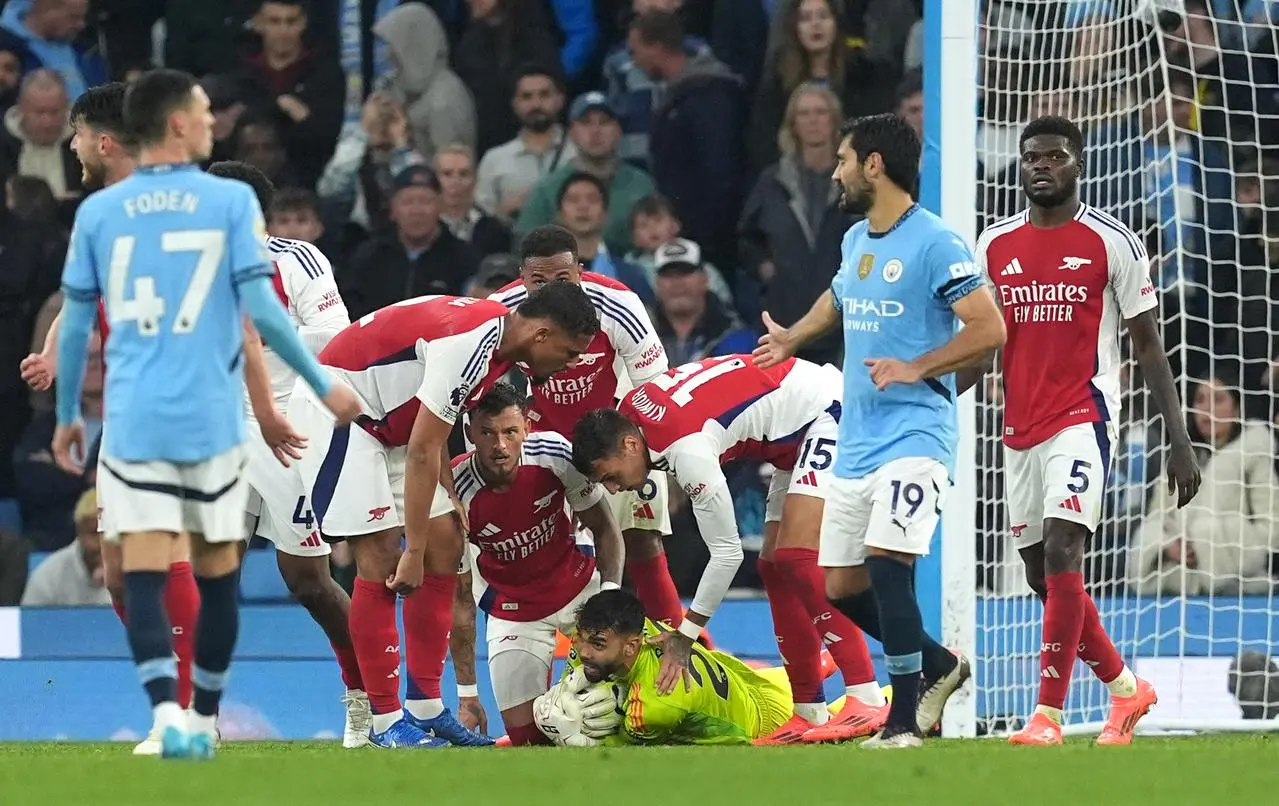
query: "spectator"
36, 137
10, 77
632, 92
1253, 312
14, 562
696, 139
43, 32
455, 167
792, 228
203, 38
72, 576
358, 179
1222, 541
910, 100
421, 257
436, 103
46, 492
594, 129
740, 37
295, 214
653, 223
582, 209
580, 32
503, 35
297, 83
257, 141
495, 273
811, 47
691, 322
507, 172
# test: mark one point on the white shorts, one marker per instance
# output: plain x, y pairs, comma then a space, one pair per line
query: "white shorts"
814, 468
277, 508
645, 508
355, 484
205, 498
1063, 477
896, 508
521, 652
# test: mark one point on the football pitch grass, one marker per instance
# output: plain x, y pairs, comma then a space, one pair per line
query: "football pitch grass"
1226, 770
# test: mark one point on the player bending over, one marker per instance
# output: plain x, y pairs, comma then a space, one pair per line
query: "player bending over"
904, 286
177, 255
514, 486
610, 693
416, 365
1067, 276
690, 422
624, 354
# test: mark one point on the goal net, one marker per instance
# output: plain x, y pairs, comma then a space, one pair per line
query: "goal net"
1178, 103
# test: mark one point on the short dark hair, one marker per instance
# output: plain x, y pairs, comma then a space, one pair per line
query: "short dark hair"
912, 83
529, 70
660, 28
501, 397
598, 435
618, 610
151, 99
891, 137
1054, 125
295, 200
102, 109
565, 305
547, 241
577, 178
652, 205
305, 5
246, 173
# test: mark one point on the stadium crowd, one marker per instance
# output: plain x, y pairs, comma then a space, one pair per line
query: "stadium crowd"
688, 146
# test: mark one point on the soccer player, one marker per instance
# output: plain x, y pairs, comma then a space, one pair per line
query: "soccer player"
624, 354
727, 702
914, 310
278, 511
690, 422
1067, 276
514, 486
177, 254
416, 365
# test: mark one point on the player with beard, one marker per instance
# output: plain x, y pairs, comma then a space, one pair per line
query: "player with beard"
107, 154
914, 310
1068, 276
514, 487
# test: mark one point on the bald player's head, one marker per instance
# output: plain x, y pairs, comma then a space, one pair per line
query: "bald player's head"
42, 102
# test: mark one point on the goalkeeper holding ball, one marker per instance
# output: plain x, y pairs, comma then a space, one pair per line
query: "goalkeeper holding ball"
609, 692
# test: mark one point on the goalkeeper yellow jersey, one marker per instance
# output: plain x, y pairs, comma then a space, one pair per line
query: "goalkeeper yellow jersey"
728, 702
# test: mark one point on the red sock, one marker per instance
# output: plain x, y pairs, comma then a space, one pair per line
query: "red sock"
1095, 647
656, 590
796, 638
376, 643
847, 645
526, 736
118, 606
1063, 626
182, 603
428, 620
350, 667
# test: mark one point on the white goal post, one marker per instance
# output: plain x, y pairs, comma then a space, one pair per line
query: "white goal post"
1181, 124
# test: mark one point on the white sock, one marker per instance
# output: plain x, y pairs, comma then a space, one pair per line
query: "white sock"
170, 715
1125, 685
1052, 713
197, 723
425, 709
868, 693
381, 722
814, 712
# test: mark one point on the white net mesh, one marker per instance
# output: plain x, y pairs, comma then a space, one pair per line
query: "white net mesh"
1179, 103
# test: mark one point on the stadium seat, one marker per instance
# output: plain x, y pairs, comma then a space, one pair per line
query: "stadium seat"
10, 516
260, 581
34, 559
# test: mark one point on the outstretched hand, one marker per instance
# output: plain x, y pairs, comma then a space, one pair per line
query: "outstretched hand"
775, 346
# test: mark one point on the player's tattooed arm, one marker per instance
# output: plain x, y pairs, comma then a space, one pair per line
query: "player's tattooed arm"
462, 649
610, 552
1148, 348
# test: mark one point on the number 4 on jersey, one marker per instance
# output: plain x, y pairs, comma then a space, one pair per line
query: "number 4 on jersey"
146, 307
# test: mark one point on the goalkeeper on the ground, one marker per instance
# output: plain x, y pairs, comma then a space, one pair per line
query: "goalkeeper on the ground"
609, 692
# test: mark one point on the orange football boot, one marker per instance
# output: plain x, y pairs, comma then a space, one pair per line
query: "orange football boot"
1124, 714
1040, 730
790, 733
855, 720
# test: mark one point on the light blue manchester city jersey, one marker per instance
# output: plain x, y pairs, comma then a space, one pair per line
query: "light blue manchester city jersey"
894, 290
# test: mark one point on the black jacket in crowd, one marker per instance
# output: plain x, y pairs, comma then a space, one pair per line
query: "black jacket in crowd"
380, 273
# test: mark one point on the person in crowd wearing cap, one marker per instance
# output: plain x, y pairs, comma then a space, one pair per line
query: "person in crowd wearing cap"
695, 140
507, 172
419, 257
72, 575
595, 131
691, 321
455, 167
582, 209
